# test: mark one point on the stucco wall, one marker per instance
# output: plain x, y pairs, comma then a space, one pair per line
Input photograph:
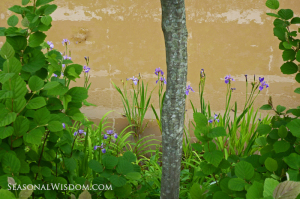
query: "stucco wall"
124, 38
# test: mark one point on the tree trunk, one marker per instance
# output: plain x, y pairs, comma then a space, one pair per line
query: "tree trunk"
175, 33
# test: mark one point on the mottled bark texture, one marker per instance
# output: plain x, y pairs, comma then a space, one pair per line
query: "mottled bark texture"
175, 33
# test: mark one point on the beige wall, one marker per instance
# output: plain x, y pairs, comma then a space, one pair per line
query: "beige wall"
124, 38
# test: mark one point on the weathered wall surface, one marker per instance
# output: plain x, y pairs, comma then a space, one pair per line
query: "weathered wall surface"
123, 38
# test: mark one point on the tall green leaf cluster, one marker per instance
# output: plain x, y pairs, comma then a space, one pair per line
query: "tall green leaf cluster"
272, 172
35, 148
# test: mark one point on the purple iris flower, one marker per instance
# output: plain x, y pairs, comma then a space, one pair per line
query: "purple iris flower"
188, 88
210, 121
86, 69
110, 132
65, 41
262, 84
162, 79
228, 78
54, 75
105, 136
62, 74
115, 136
158, 70
64, 125
261, 79
50, 44
135, 80
103, 150
80, 132
96, 147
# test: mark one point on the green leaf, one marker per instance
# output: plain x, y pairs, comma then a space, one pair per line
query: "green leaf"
7, 118
200, 119
281, 146
286, 14
46, 20
35, 62
289, 68
271, 164
261, 141
255, 191
73, 71
42, 2
295, 20
280, 23
50, 9
269, 186
13, 21
12, 65
17, 42
4, 77
297, 78
10, 163
25, 2
273, 15
78, 94
288, 45
282, 131
236, 184
287, 190
21, 126
46, 171
66, 99
35, 83
125, 191
293, 160
198, 147
7, 51
124, 166
118, 181
55, 126
244, 170
294, 127
109, 161
110, 194
288, 55
41, 116
197, 192
17, 9
297, 90
50, 85
6, 131
129, 156
214, 157
272, 4
25, 22
133, 176
36, 103
58, 90
36, 39
280, 108
6, 194
34, 137
264, 129
266, 107
96, 166
70, 164
217, 132
280, 33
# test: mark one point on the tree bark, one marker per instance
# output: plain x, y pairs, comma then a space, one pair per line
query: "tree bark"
175, 34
